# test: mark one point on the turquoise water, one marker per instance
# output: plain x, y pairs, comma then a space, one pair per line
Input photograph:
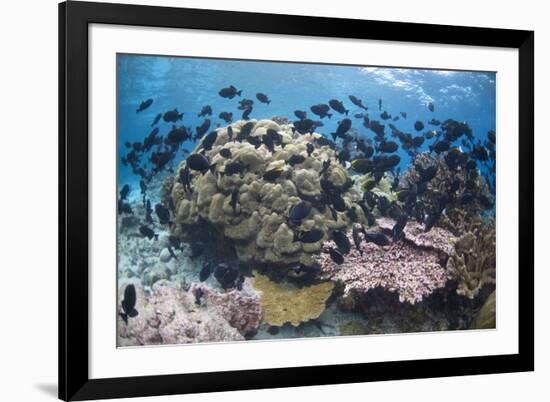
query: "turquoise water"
188, 84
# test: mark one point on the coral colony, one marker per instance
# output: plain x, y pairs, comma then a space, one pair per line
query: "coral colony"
271, 228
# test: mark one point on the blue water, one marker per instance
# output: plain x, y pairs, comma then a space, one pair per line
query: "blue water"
188, 84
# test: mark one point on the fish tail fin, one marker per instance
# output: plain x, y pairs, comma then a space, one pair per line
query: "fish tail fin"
180, 116
296, 237
212, 168
333, 136
329, 115
156, 236
347, 111
239, 92
268, 102
133, 313
124, 317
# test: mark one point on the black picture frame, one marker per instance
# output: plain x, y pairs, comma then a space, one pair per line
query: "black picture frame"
74, 19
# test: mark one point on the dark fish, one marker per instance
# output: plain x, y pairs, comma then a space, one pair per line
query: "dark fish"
418, 125
418, 141
298, 270
385, 115
129, 303
387, 146
185, 178
403, 114
205, 111
426, 174
336, 255
358, 115
142, 186
338, 202
226, 116
157, 119
440, 146
200, 163
205, 272
356, 239
343, 128
245, 131
362, 165
127, 144
273, 174
431, 107
357, 102
326, 165
298, 212
379, 104
480, 153
202, 129
234, 167
163, 214
304, 126
378, 238
148, 212
434, 122
321, 110
229, 92
226, 275
246, 113
296, 159
198, 295
397, 230
342, 241
172, 254
209, 140
229, 133
310, 148
225, 152
245, 104
172, 116
148, 232
263, 98
174, 242
311, 236
124, 192
144, 105
124, 207
338, 106
234, 199
395, 118
256, 141
430, 134
301, 114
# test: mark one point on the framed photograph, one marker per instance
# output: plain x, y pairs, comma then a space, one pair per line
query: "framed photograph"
256, 201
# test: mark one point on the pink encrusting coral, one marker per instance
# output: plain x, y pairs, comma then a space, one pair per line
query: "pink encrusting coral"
242, 311
171, 315
437, 238
411, 271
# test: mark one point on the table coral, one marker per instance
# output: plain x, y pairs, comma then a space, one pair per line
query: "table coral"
413, 272
282, 303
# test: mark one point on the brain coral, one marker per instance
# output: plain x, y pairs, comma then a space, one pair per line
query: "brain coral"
256, 224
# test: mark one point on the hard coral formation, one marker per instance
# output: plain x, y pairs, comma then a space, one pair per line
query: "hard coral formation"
282, 303
411, 271
257, 225
242, 311
473, 262
169, 316
486, 317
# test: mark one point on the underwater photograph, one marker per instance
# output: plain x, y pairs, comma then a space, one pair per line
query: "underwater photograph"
269, 200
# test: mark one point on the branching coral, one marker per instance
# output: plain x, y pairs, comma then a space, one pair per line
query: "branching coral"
473, 262
283, 303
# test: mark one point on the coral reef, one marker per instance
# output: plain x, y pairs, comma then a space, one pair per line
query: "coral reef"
255, 223
412, 272
466, 191
486, 317
170, 316
242, 311
437, 238
473, 262
283, 303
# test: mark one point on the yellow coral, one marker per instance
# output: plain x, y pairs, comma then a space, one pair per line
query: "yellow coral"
281, 304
